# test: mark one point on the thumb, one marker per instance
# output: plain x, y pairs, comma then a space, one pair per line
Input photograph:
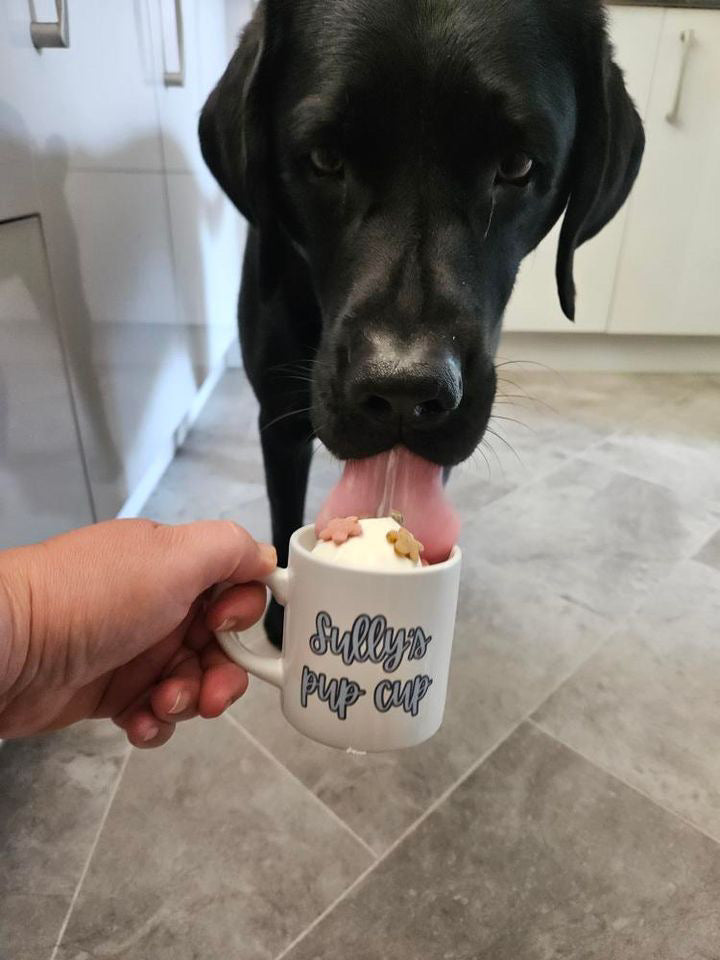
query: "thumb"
213, 551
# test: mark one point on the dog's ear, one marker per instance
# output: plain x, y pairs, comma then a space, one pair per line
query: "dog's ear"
605, 162
232, 128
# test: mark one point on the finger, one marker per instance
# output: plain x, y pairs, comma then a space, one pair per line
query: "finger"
238, 608
223, 683
144, 730
176, 697
198, 634
212, 551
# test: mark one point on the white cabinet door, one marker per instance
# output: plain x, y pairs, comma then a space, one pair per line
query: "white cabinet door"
94, 102
208, 234
534, 305
43, 488
669, 273
91, 114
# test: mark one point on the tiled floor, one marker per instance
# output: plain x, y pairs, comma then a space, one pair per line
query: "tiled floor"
568, 808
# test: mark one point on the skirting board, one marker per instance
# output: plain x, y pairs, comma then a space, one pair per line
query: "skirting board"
614, 354
602, 352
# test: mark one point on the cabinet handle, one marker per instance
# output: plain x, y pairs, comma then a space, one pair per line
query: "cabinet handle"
53, 33
687, 38
176, 78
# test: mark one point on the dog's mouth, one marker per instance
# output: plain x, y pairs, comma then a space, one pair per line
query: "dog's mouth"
398, 480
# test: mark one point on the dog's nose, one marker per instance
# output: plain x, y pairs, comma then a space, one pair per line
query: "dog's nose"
415, 392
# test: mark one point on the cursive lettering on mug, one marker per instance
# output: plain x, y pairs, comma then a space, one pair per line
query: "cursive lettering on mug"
369, 638
398, 693
339, 693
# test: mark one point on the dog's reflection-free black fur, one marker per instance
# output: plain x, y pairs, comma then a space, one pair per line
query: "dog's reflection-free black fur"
379, 149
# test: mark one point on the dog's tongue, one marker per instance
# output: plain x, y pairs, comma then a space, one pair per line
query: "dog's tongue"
397, 480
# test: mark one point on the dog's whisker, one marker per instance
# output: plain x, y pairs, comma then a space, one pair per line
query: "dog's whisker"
305, 365
508, 445
284, 416
493, 451
525, 395
512, 400
526, 426
534, 400
512, 383
480, 450
490, 218
298, 378
532, 363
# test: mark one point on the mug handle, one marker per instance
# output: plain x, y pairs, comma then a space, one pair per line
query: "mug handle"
268, 668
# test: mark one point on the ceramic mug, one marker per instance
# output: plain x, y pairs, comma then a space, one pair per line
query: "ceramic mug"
366, 653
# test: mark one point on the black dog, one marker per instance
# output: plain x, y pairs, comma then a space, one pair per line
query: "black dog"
396, 160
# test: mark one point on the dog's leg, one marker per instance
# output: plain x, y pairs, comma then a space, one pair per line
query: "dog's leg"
279, 336
287, 452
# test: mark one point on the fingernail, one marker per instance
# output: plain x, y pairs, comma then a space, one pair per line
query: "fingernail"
150, 734
268, 554
229, 624
181, 701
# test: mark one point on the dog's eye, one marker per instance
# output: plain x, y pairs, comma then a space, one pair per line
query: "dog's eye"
326, 161
514, 168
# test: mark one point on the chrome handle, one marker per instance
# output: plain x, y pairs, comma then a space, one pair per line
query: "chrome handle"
687, 38
53, 33
176, 78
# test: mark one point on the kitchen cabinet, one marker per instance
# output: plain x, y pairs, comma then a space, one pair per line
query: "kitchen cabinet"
534, 305
94, 102
669, 273
43, 487
207, 234
143, 250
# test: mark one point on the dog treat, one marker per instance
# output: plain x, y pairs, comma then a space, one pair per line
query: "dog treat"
405, 544
341, 529
370, 549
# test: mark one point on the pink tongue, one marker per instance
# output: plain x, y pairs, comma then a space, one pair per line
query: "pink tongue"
397, 480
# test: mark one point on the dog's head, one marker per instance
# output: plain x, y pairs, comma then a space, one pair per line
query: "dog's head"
413, 152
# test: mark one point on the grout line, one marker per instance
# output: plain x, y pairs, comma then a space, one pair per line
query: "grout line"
526, 718
271, 756
91, 852
626, 783
530, 480
396, 843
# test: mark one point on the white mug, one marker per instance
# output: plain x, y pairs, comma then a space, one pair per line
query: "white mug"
366, 653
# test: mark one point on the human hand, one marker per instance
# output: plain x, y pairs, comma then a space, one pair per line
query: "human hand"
115, 620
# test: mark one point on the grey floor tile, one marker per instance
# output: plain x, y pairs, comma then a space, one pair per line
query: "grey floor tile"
514, 643
646, 705
541, 419
710, 552
54, 791
537, 855
678, 446
231, 411
218, 471
205, 484
210, 850
603, 402
596, 536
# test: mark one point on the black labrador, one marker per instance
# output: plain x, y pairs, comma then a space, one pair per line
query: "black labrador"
397, 159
